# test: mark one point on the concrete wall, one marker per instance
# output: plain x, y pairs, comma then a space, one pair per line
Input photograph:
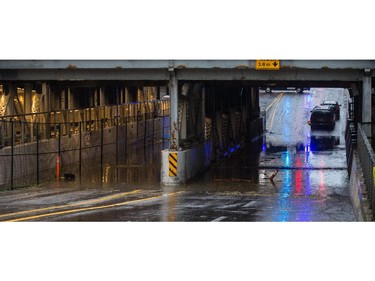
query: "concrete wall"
25, 155
357, 190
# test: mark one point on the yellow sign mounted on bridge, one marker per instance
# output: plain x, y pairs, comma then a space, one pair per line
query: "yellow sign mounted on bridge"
267, 64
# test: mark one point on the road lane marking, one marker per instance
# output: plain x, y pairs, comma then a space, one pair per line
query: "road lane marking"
252, 203
277, 98
90, 201
219, 219
91, 208
274, 111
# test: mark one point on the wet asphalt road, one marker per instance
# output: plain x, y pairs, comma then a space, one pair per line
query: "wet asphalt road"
309, 186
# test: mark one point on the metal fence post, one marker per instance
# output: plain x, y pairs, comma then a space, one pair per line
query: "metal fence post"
153, 131
37, 153
145, 131
117, 121
80, 149
101, 145
12, 154
163, 125
126, 132
137, 126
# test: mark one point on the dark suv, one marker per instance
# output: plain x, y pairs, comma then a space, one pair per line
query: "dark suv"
335, 105
322, 117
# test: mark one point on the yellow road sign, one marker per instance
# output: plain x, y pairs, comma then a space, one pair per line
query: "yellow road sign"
267, 65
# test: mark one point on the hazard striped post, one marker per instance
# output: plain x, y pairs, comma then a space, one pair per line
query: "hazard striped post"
173, 164
274, 174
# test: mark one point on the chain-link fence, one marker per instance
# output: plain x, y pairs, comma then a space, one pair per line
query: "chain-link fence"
40, 147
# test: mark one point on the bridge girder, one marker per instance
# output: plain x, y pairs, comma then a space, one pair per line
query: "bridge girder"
203, 70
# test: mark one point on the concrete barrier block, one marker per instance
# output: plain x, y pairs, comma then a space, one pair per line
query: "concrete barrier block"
185, 164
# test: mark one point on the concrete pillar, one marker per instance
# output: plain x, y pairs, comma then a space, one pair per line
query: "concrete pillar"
70, 98
126, 93
62, 99
101, 97
45, 98
96, 99
182, 105
12, 94
203, 112
27, 98
121, 95
118, 95
179, 165
366, 98
367, 104
173, 90
4, 101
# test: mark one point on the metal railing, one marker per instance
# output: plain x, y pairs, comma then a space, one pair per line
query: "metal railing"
367, 159
31, 144
350, 142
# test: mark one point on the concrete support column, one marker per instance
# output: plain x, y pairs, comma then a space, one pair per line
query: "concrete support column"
45, 98
96, 99
366, 99
121, 95
70, 98
118, 95
179, 165
203, 112
101, 97
173, 90
127, 95
12, 94
62, 99
27, 98
182, 106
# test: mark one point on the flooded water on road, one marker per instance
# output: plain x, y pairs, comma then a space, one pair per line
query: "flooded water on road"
309, 179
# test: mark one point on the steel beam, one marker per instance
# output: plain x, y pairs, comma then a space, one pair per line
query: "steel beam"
346, 75
269, 76
179, 64
157, 70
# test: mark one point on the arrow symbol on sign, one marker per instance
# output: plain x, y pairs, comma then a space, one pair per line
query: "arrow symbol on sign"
275, 64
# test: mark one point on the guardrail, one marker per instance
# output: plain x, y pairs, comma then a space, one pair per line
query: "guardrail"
367, 159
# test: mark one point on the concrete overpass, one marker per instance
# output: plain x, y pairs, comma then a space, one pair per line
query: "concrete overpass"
198, 88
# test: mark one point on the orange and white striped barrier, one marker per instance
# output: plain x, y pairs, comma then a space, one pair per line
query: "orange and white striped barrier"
274, 174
